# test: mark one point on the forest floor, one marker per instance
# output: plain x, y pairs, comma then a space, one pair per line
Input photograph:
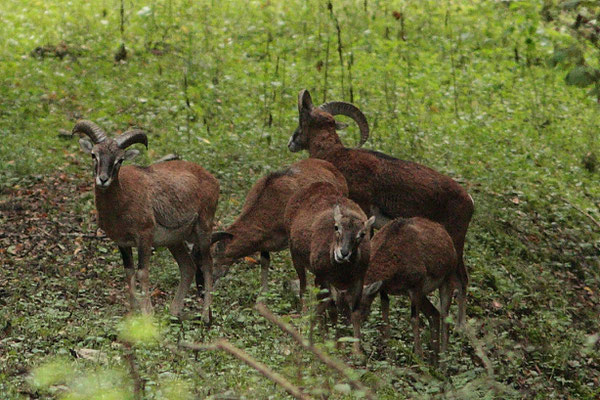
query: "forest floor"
462, 88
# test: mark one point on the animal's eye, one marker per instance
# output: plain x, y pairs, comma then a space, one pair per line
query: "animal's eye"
336, 228
93, 156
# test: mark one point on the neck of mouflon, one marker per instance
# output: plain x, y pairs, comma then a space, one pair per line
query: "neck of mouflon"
324, 142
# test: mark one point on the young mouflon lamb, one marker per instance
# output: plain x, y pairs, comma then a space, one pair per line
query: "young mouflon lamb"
329, 235
164, 204
413, 257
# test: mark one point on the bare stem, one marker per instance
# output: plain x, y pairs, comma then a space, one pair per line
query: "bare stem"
133, 371
336, 365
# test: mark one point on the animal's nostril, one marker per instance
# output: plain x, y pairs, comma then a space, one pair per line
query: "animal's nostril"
103, 178
345, 252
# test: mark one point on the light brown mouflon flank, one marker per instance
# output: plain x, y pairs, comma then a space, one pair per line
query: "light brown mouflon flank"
329, 236
413, 257
260, 226
164, 204
382, 185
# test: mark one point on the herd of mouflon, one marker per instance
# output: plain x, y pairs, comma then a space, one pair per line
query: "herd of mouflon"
362, 222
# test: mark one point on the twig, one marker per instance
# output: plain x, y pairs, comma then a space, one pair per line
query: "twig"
452, 63
581, 211
337, 365
479, 350
241, 355
339, 38
133, 371
326, 70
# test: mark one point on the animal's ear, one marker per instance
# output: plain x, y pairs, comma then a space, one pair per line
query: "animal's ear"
372, 288
85, 145
304, 101
218, 236
131, 154
337, 214
369, 223
340, 126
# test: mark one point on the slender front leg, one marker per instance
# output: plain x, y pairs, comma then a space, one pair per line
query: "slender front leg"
415, 309
301, 272
127, 256
354, 299
203, 243
143, 273
197, 255
265, 261
385, 313
187, 269
322, 304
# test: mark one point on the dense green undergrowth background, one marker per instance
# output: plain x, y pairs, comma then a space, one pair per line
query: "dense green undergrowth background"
461, 86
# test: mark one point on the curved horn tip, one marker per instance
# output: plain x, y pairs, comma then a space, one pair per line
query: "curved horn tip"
220, 235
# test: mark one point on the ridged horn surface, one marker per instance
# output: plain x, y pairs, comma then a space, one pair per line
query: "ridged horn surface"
131, 137
93, 131
349, 110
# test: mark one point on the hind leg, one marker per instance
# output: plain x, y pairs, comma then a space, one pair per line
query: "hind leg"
433, 315
143, 272
445, 299
197, 256
460, 210
461, 299
385, 313
187, 268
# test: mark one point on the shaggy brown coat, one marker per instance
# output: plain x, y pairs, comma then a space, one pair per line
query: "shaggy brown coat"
385, 186
321, 222
413, 257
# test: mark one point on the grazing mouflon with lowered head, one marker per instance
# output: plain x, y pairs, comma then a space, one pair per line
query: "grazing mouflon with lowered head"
260, 227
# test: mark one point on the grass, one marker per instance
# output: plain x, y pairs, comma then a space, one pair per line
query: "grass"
461, 86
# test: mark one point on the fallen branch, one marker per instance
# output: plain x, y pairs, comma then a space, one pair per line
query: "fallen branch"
581, 211
337, 365
241, 355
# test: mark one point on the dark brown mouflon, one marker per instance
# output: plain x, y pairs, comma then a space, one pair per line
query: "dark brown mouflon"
382, 185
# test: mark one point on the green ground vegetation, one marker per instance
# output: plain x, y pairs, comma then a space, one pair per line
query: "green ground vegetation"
462, 86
